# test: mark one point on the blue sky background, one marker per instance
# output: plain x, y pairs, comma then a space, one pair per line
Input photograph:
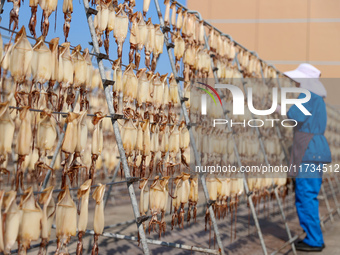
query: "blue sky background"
79, 32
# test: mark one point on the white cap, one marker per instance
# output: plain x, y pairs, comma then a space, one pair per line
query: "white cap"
308, 77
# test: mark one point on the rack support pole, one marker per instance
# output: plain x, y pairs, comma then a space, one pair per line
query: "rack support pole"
107, 91
192, 139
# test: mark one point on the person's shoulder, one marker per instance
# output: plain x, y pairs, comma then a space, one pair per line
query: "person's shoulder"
316, 97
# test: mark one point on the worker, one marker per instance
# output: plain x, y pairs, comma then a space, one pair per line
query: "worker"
310, 154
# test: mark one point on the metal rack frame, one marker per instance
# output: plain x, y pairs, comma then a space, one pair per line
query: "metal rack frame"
144, 241
142, 235
266, 158
192, 139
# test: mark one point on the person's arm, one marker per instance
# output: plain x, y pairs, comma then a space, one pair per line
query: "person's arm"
295, 113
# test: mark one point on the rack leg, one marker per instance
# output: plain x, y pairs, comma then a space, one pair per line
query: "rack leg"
284, 220
330, 211
334, 195
107, 92
192, 139
256, 221
267, 162
337, 182
108, 193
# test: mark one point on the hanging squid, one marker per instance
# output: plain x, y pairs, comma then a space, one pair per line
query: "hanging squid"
23, 143
130, 89
70, 142
66, 221
150, 42
81, 138
97, 141
52, 98
20, 63
146, 5
193, 197
33, 20
158, 47
48, 6
164, 203
101, 20
30, 224
48, 213
146, 145
110, 26
118, 86
167, 13
11, 221
129, 137
83, 193
65, 74
158, 202
141, 40
2, 245
14, 14
7, 128
67, 10
120, 29
98, 222
46, 135
41, 70
134, 37
179, 49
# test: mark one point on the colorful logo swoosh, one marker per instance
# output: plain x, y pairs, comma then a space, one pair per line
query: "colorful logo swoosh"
208, 92
213, 90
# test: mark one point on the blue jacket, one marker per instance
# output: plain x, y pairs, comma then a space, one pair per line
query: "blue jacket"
318, 149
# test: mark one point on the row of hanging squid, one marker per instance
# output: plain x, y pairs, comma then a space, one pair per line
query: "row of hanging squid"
156, 197
154, 137
332, 133
32, 218
110, 16
106, 12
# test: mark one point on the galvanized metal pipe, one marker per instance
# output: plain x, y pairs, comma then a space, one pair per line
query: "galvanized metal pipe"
266, 159
108, 193
337, 181
329, 209
159, 242
192, 138
285, 221
333, 194
250, 201
277, 126
123, 159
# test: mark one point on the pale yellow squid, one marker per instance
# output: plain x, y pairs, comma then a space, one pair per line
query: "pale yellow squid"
98, 223
83, 193
30, 224
48, 213
7, 128
66, 221
46, 135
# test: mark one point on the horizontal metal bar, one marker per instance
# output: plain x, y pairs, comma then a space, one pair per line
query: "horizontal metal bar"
91, 11
294, 238
158, 242
113, 116
134, 238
